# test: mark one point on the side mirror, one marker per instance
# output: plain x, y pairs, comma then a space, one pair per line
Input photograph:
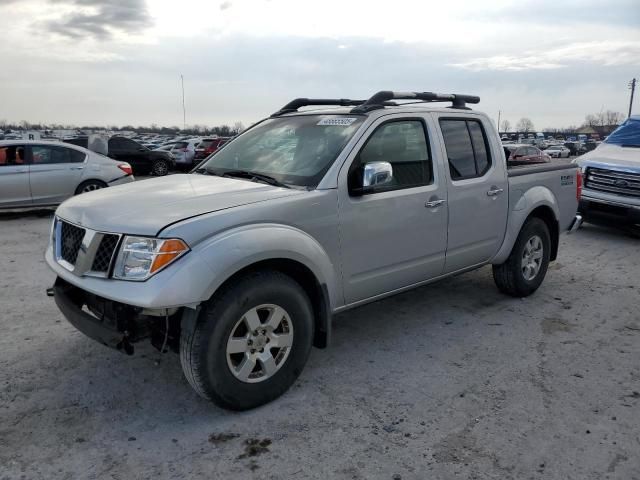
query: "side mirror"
377, 174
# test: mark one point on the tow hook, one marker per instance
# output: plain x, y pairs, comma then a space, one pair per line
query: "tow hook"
50, 292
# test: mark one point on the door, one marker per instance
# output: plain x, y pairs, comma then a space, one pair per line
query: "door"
126, 150
14, 177
392, 235
477, 192
54, 173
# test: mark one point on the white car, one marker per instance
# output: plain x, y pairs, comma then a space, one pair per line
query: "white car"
558, 151
184, 152
43, 173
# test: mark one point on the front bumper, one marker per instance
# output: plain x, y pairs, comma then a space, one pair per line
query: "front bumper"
607, 211
112, 324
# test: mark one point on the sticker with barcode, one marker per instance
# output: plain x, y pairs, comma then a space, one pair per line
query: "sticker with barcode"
344, 122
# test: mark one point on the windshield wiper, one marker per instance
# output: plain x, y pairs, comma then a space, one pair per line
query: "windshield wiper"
632, 145
254, 176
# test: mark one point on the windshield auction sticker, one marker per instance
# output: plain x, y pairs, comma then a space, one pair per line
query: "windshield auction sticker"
345, 122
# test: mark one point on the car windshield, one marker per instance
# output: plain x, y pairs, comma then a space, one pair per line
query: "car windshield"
295, 150
626, 134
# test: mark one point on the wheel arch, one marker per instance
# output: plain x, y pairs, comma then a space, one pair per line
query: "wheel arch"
537, 202
316, 291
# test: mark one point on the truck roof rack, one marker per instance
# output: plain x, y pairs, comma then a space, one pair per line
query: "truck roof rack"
294, 105
381, 98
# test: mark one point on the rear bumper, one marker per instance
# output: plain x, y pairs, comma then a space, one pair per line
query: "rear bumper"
608, 211
575, 224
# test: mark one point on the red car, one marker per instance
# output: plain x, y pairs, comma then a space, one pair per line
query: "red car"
524, 155
208, 146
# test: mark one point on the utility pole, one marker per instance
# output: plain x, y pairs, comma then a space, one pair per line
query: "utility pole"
499, 112
184, 111
632, 86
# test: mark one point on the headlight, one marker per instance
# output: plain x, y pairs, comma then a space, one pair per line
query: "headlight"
140, 257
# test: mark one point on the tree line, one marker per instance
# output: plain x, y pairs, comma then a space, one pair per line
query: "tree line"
601, 119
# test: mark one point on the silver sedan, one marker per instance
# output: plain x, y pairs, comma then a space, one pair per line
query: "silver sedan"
43, 173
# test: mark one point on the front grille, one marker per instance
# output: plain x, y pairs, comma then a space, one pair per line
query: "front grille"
70, 241
613, 181
104, 254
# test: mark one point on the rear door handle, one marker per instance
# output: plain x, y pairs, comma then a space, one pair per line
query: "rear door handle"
434, 203
495, 191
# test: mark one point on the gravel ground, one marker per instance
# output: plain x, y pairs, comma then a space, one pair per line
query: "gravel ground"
452, 380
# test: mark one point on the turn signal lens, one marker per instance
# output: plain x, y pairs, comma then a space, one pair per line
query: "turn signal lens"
167, 253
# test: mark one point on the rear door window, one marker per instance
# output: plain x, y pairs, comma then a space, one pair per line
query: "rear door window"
46, 154
466, 146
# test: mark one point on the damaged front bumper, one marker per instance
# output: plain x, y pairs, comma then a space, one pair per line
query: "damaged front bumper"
115, 324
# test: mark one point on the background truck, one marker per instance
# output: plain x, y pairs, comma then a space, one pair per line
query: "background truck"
612, 178
240, 265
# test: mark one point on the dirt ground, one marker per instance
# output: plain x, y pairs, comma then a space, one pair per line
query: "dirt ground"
452, 380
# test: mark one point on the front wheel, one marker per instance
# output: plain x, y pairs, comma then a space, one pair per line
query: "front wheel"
523, 272
250, 342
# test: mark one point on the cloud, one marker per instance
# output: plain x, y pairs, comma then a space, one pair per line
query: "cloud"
101, 18
600, 53
225, 5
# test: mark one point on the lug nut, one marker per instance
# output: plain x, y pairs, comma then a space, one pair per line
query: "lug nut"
249, 342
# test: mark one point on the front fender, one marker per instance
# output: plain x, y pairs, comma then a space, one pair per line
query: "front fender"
232, 250
533, 198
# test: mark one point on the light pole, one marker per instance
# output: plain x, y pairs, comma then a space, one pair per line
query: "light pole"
632, 86
499, 112
184, 111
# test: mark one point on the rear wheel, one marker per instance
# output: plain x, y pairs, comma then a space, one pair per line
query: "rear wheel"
90, 186
160, 168
251, 341
526, 267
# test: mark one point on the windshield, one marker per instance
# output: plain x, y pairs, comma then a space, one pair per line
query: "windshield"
626, 134
293, 150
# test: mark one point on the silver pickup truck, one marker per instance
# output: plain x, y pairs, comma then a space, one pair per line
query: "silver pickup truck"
240, 265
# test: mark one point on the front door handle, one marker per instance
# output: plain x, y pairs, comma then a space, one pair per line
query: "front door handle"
434, 203
495, 191
76, 168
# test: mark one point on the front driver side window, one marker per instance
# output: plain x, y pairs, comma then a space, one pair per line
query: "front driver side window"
401, 143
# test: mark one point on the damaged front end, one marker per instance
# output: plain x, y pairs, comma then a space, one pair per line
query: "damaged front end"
116, 324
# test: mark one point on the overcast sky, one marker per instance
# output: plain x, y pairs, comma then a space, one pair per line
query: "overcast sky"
118, 62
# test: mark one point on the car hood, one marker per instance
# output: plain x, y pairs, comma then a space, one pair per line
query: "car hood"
146, 207
612, 156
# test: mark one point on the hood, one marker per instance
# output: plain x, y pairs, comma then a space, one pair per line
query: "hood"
146, 207
612, 156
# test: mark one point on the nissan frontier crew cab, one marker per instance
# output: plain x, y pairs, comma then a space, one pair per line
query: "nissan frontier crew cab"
240, 265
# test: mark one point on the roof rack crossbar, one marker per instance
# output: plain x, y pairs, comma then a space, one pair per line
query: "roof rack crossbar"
381, 98
297, 103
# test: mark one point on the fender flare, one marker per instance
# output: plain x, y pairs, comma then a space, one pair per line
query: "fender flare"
532, 199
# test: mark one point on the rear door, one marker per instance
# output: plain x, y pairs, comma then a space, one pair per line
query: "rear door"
477, 188
14, 177
54, 172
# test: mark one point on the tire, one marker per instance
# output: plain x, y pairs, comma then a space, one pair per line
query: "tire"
205, 344
511, 277
160, 168
90, 186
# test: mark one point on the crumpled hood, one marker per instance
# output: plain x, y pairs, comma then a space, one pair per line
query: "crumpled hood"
146, 207
613, 156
